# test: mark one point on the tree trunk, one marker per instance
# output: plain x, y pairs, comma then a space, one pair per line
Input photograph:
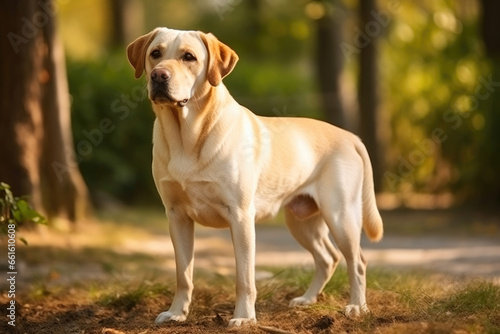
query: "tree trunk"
127, 20
489, 183
489, 27
368, 94
329, 61
36, 150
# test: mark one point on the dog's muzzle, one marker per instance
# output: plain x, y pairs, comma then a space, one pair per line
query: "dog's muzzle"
159, 88
159, 85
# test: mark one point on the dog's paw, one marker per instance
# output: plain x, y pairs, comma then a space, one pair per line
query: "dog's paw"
169, 316
301, 301
353, 310
237, 322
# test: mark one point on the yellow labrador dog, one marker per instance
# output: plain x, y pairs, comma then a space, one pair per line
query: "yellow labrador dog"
218, 164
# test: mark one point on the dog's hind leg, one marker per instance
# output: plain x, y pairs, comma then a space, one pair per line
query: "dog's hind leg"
312, 233
347, 238
341, 207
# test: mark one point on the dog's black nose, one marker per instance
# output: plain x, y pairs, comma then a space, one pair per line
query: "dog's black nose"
160, 75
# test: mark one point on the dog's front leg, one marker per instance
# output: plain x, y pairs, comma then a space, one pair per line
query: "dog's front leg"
182, 235
243, 235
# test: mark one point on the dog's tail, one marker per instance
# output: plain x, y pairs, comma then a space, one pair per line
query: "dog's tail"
372, 222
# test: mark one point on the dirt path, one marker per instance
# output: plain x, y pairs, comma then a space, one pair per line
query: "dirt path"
468, 257
100, 249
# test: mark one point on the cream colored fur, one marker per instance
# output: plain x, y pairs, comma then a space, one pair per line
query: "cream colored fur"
218, 164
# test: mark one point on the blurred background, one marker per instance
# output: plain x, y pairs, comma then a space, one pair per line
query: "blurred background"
418, 81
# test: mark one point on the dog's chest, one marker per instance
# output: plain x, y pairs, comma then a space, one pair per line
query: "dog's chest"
191, 187
202, 201
182, 169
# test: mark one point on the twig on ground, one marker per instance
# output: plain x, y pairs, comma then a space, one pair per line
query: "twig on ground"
274, 330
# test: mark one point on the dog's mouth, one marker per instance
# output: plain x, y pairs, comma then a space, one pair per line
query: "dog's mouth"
160, 96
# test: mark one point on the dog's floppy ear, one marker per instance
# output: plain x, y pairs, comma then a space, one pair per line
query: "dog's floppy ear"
221, 58
136, 52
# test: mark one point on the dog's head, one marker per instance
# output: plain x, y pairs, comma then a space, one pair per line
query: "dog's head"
178, 64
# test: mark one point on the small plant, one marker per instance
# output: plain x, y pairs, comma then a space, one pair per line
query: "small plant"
127, 296
475, 298
16, 211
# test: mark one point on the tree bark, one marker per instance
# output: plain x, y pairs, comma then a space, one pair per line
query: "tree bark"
368, 93
489, 27
329, 63
127, 20
488, 189
36, 150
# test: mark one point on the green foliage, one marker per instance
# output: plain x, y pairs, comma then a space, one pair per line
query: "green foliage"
16, 211
114, 158
431, 67
435, 71
270, 80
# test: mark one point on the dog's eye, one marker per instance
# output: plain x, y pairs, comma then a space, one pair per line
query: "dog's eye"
188, 57
156, 54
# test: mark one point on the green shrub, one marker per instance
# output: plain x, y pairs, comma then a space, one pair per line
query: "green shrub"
16, 211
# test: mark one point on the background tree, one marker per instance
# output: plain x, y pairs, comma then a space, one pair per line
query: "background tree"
127, 20
36, 151
490, 26
329, 59
368, 92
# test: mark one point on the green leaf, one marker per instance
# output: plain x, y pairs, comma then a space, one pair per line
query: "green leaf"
17, 210
17, 215
4, 210
27, 211
39, 219
24, 209
9, 197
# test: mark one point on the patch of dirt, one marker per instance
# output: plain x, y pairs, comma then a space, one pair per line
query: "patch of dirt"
66, 315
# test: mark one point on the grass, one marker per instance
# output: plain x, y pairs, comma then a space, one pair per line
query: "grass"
473, 298
400, 302
128, 296
477, 302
